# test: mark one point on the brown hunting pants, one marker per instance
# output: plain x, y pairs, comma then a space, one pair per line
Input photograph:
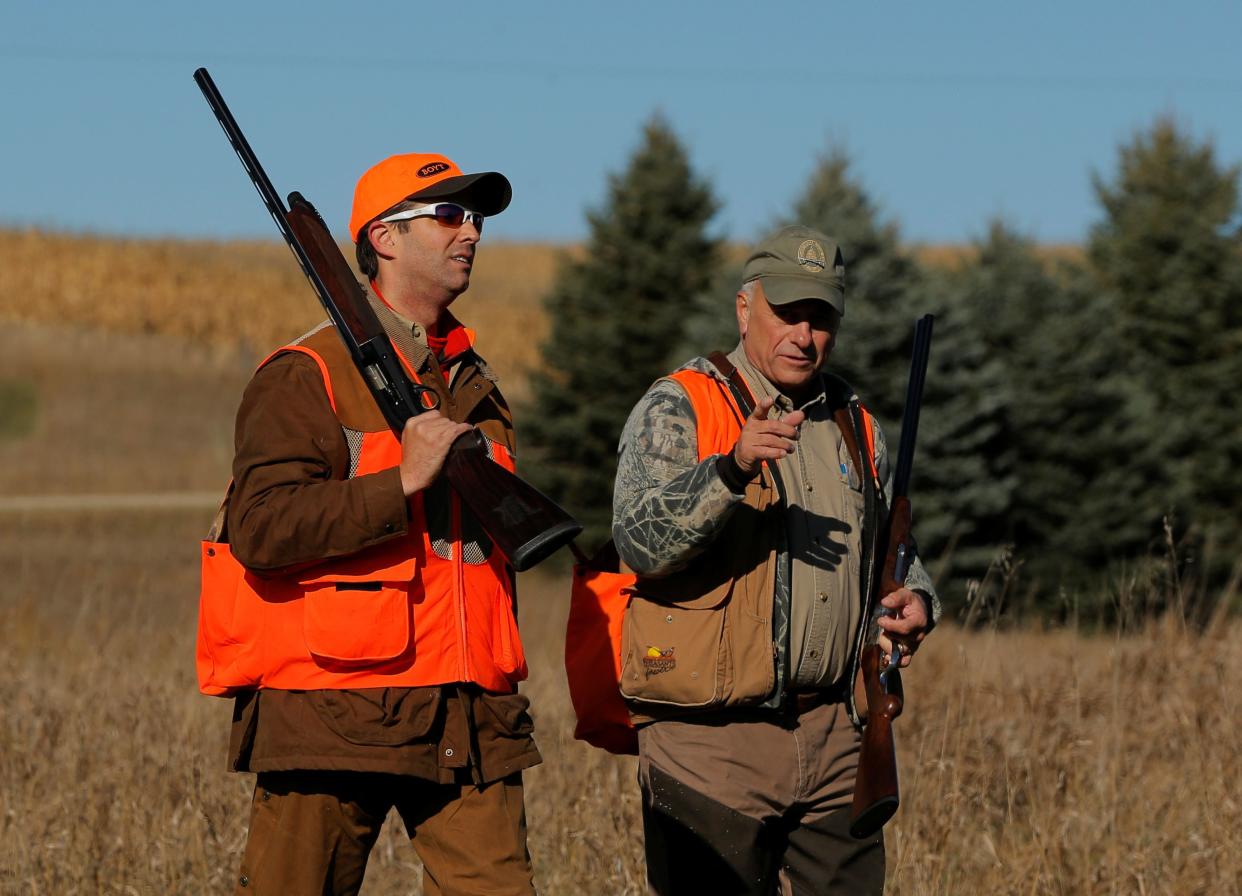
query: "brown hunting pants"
311, 833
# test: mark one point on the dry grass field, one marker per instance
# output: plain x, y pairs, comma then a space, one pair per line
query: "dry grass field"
1034, 762
1040, 763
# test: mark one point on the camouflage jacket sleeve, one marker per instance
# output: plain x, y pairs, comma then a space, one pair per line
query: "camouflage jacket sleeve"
917, 578
667, 505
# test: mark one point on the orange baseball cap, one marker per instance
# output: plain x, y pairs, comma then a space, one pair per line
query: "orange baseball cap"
425, 176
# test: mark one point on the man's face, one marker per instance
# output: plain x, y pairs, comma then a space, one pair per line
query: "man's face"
431, 259
788, 344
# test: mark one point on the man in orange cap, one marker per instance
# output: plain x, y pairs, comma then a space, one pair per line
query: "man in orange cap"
399, 687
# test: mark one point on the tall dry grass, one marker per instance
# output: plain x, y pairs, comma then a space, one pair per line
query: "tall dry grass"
1033, 763
119, 412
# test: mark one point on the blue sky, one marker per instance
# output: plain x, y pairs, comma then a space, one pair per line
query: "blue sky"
953, 112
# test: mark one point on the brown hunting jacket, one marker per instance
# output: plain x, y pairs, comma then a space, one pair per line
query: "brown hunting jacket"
293, 504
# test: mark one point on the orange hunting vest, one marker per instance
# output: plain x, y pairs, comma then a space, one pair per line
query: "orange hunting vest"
717, 612
716, 415
394, 615
705, 609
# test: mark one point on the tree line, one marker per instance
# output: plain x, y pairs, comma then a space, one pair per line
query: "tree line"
1080, 434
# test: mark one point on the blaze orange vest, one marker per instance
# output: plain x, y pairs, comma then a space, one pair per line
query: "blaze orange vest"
604, 600
717, 612
716, 415
393, 615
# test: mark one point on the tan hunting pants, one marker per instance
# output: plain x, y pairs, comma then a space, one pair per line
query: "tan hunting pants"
311, 833
754, 803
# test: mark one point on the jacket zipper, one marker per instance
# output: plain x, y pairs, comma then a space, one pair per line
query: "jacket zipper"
459, 595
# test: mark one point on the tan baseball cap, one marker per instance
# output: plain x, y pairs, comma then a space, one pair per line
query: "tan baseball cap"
797, 263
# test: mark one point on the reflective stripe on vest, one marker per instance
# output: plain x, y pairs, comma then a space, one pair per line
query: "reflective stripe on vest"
396, 614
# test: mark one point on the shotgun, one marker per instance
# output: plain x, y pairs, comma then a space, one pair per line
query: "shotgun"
524, 524
876, 792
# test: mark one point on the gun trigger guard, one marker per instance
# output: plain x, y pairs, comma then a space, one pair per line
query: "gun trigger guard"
429, 399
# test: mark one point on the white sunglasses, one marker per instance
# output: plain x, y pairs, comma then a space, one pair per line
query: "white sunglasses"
450, 214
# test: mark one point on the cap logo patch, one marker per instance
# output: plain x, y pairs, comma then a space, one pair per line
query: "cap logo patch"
433, 168
811, 256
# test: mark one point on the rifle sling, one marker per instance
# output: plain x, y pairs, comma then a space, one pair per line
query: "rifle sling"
737, 385
745, 405
848, 417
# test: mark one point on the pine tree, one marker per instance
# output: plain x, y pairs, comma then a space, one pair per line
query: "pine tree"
616, 311
1027, 423
1168, 252
966, 461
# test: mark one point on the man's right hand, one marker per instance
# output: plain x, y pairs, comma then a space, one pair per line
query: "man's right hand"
763, 439
425, 443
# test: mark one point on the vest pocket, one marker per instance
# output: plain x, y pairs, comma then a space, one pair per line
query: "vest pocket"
366, 568
676, 653
507, 650
230, 624
357, 612
356, 626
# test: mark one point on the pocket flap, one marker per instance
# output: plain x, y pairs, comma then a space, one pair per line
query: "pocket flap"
646, 590
350, 626
510, 715
378, 717
365, 567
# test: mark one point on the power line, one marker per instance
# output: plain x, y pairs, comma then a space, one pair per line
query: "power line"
555, 71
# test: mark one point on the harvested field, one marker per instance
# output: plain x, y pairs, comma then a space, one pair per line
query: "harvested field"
247, 296
252, 295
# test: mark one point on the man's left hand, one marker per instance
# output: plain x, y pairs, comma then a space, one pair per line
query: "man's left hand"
904, 623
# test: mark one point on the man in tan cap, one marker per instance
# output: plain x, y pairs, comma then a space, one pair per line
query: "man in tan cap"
748, 497
398, 689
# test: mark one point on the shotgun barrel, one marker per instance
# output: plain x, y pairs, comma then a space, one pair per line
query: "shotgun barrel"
877, 793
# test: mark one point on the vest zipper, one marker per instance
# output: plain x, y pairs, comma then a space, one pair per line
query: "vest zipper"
873, 490
459, 595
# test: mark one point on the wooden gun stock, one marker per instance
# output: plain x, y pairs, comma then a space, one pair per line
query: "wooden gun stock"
525, 524
876, 792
